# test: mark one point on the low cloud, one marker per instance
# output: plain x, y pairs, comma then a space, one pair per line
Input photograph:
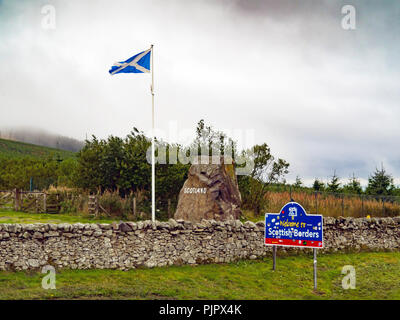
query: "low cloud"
322, 97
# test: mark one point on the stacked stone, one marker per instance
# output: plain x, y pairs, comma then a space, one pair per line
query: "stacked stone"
129, 245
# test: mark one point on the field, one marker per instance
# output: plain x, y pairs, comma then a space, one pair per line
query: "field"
13, 150
376, 278
22, 217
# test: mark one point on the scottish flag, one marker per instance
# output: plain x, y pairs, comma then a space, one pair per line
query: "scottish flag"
139, 63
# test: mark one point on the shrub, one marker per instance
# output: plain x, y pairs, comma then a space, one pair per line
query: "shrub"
111, 202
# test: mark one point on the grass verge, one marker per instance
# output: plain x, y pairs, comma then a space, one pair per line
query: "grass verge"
22, 217
377, 277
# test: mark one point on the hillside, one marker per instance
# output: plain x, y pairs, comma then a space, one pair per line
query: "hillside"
41, 137
13, 149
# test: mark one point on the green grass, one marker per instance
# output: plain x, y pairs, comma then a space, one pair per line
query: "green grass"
14, 150
377, 278
22, 217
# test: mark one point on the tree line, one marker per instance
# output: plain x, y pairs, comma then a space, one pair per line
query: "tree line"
121, 166
380, 183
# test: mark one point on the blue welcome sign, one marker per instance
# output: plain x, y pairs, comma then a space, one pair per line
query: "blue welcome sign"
293, 227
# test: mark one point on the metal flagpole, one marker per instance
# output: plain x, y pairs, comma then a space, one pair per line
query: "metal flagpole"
153, 169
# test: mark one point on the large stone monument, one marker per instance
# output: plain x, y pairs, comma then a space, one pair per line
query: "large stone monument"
210, 192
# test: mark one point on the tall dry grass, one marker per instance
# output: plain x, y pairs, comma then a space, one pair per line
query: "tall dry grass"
336, 205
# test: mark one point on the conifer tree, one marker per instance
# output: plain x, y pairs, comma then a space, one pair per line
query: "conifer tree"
318, 185
380, 183
298, 183
334, 183
353, 186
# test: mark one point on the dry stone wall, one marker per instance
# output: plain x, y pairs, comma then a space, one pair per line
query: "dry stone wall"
130, 245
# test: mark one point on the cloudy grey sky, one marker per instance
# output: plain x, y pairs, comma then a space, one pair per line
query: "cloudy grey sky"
322, 97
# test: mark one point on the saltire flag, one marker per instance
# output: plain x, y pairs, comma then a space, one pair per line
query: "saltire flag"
139, 63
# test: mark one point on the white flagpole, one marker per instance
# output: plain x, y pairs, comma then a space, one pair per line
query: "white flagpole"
153, 168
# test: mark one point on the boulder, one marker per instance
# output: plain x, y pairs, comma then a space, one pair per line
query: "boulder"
210, 192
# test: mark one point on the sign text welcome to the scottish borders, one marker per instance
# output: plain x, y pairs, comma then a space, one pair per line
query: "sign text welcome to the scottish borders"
293, 227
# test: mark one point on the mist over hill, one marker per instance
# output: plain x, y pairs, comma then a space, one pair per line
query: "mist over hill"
41, 137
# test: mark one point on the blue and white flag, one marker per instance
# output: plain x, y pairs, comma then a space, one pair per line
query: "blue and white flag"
139, 63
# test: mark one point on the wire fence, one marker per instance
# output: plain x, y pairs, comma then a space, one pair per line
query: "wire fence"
136, 206
133, 206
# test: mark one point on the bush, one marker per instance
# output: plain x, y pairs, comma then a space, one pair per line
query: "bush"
111, 202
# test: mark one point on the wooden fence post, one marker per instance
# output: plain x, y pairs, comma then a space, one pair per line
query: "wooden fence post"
362, 205
169, 208
97, 205
134, 206
58, 206
45, 202
36, 203
17, 199
342, 205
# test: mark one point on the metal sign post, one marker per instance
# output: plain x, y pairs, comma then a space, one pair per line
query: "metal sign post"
274, 258
315, 268
293, 227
